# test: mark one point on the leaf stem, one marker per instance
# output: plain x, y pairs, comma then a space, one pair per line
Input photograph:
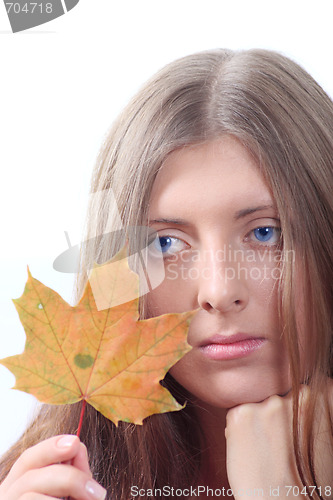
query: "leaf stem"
83, 407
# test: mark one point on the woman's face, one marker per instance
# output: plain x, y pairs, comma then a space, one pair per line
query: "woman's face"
219, 237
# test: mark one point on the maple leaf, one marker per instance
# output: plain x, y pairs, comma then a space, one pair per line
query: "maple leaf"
108, 358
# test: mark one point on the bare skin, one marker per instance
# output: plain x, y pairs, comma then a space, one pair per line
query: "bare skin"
55, 468
208, 204
207, 198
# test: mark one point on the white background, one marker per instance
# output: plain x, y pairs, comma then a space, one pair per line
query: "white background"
61, 86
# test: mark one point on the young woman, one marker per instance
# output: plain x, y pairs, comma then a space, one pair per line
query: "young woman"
228, 156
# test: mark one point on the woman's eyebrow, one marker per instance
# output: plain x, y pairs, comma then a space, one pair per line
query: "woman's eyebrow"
163, 220
238, 215
248, 211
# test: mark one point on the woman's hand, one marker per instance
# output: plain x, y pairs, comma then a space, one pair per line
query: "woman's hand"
260, 454
55, 468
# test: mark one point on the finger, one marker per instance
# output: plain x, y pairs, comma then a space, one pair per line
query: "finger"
80, 460
53, 450
58, 481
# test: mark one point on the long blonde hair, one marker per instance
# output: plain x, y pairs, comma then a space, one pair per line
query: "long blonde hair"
285, 120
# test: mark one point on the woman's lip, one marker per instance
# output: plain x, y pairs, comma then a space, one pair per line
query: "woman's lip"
220, 347
227, 339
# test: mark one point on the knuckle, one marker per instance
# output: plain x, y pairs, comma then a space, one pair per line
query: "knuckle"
238, 413
273, 400
69, 475
63, 475
20, 487
24, 461
231, 416
68, 478
28, 479
274, 403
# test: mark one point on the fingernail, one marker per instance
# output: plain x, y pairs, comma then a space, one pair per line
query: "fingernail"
95, 490
66, 441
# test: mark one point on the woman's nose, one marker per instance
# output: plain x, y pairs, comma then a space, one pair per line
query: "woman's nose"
222, 286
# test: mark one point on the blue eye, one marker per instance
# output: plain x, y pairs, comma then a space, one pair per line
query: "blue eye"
267, 234
167, 246
163, 243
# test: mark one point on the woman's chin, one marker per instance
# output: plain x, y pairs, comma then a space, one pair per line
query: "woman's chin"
228, 400
229, 397
232, 387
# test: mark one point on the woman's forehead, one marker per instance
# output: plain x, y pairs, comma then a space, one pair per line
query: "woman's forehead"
215, 174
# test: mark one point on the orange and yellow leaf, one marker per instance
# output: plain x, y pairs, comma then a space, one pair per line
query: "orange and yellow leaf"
108, 357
